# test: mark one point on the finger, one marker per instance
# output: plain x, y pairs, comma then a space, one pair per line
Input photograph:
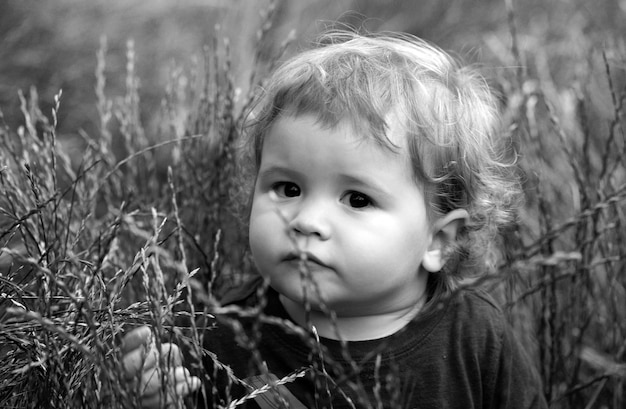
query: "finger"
179, 383
139, 360
189, 385
171, 354
143, 358
152, 381
136, 338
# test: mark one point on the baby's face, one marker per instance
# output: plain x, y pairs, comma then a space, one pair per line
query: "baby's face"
351, 206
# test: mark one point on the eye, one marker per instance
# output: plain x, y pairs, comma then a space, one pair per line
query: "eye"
357, 200
286, 189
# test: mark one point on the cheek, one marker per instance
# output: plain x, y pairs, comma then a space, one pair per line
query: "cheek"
256, 231
265, 233
259, 248
390, 247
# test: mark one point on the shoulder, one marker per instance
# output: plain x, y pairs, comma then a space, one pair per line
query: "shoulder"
475, 327
481, 300
467, 324
466, 317
476, 309
509, 373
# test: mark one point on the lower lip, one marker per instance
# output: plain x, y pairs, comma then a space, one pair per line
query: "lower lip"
308, 265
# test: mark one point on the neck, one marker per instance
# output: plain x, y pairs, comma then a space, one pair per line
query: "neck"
352, 328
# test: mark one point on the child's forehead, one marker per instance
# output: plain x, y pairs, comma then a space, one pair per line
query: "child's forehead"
389, 135
301, 141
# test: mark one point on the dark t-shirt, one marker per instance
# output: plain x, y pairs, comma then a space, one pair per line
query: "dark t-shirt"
460, 354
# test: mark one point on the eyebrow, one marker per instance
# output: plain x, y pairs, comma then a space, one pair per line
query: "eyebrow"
277, 171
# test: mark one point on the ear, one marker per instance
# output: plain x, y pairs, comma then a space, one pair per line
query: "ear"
444, 234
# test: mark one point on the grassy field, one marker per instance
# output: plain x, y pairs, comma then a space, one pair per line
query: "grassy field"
117, 177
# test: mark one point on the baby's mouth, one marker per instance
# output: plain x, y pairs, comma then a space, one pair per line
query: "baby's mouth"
305, 257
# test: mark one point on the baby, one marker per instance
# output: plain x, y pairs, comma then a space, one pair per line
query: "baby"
378, 182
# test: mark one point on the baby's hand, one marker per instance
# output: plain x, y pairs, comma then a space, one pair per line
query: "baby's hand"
140, 361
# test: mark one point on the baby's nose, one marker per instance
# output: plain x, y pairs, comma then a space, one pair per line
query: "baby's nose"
311, 220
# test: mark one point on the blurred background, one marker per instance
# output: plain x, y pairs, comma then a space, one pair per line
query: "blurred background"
52, 45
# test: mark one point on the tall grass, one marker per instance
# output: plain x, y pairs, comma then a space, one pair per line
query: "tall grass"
565, 283
137, 232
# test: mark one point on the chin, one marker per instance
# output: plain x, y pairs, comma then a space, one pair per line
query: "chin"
296, 294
